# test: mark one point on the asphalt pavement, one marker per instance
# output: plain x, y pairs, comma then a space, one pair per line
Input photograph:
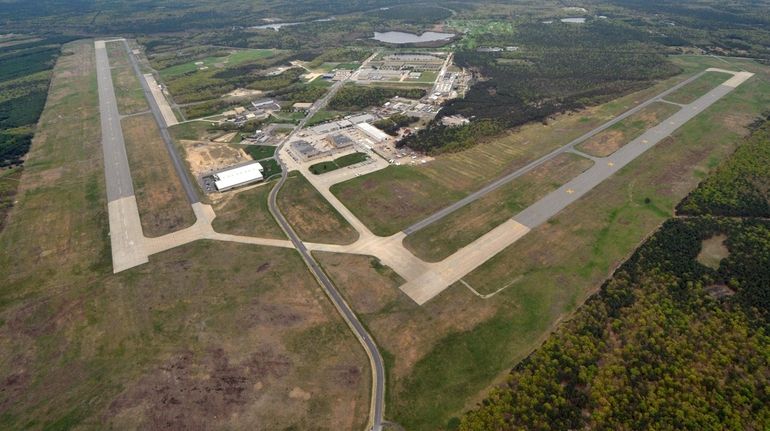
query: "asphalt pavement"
125, 226
375, 358
494, 185
181, 170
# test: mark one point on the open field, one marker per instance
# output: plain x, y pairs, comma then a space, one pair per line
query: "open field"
392, 198
690, 92
85, 348
608, 141
443, 238
551, 270
340, 162
128, 90
9, 183
311, 216
451, 176
235, 58
246, 213
445, 354
259, 152
163, 207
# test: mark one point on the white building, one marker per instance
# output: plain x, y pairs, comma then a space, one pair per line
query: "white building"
373, 132
239, 176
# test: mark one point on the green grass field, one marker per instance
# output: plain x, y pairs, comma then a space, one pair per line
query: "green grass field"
311, 216
235, 58
446, 236
247, 213
260, 152
393, 198
340, 162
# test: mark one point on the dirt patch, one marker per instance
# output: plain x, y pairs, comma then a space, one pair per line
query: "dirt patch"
193, 391
712, 251
205, 157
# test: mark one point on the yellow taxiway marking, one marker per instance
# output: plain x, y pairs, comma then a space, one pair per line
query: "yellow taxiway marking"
610, 164
570, 191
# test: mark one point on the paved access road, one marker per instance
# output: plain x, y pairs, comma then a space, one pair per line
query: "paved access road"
494, 185
375, 358
181, 171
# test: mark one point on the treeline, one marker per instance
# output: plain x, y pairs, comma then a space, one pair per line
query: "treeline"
438, 138
740, 186
25, 73
353, 97
392, 124
414, 13
656, 348
558, 68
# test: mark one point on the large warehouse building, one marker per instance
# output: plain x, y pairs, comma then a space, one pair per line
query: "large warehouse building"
239, 176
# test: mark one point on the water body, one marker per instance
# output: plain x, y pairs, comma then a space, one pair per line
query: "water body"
574, 20
278, 25
400, 37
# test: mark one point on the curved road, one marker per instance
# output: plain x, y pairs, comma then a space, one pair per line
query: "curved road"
375, 358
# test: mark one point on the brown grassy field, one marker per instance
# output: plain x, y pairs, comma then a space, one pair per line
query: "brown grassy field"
163, 207
441, 239
128, 90
210, 335
608, 141
311, 216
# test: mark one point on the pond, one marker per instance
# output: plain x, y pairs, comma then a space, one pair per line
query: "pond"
400, 37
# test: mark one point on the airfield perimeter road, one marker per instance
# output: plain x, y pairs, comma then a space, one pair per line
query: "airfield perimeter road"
375, 358
125, 226
181, 172
494, 185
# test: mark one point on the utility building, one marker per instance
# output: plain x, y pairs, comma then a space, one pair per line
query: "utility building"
240, 176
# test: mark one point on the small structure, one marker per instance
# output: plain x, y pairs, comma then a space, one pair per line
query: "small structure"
240, 176
339, 141
262, 103
305, 150
301, 106
373, 132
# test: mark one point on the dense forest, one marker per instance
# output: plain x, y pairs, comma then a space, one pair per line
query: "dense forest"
740, 187
667, 343
24, 77
558, 67
392, 124
356, 97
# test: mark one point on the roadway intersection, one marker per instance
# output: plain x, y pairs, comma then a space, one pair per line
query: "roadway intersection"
423, 280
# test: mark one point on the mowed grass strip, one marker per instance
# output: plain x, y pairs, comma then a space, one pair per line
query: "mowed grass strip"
391, 199
340, 162
312, 216
551, 270
441, 239
128, 89
608, 141
233, 59
210, 325
692, 91
246, 213
163, 207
